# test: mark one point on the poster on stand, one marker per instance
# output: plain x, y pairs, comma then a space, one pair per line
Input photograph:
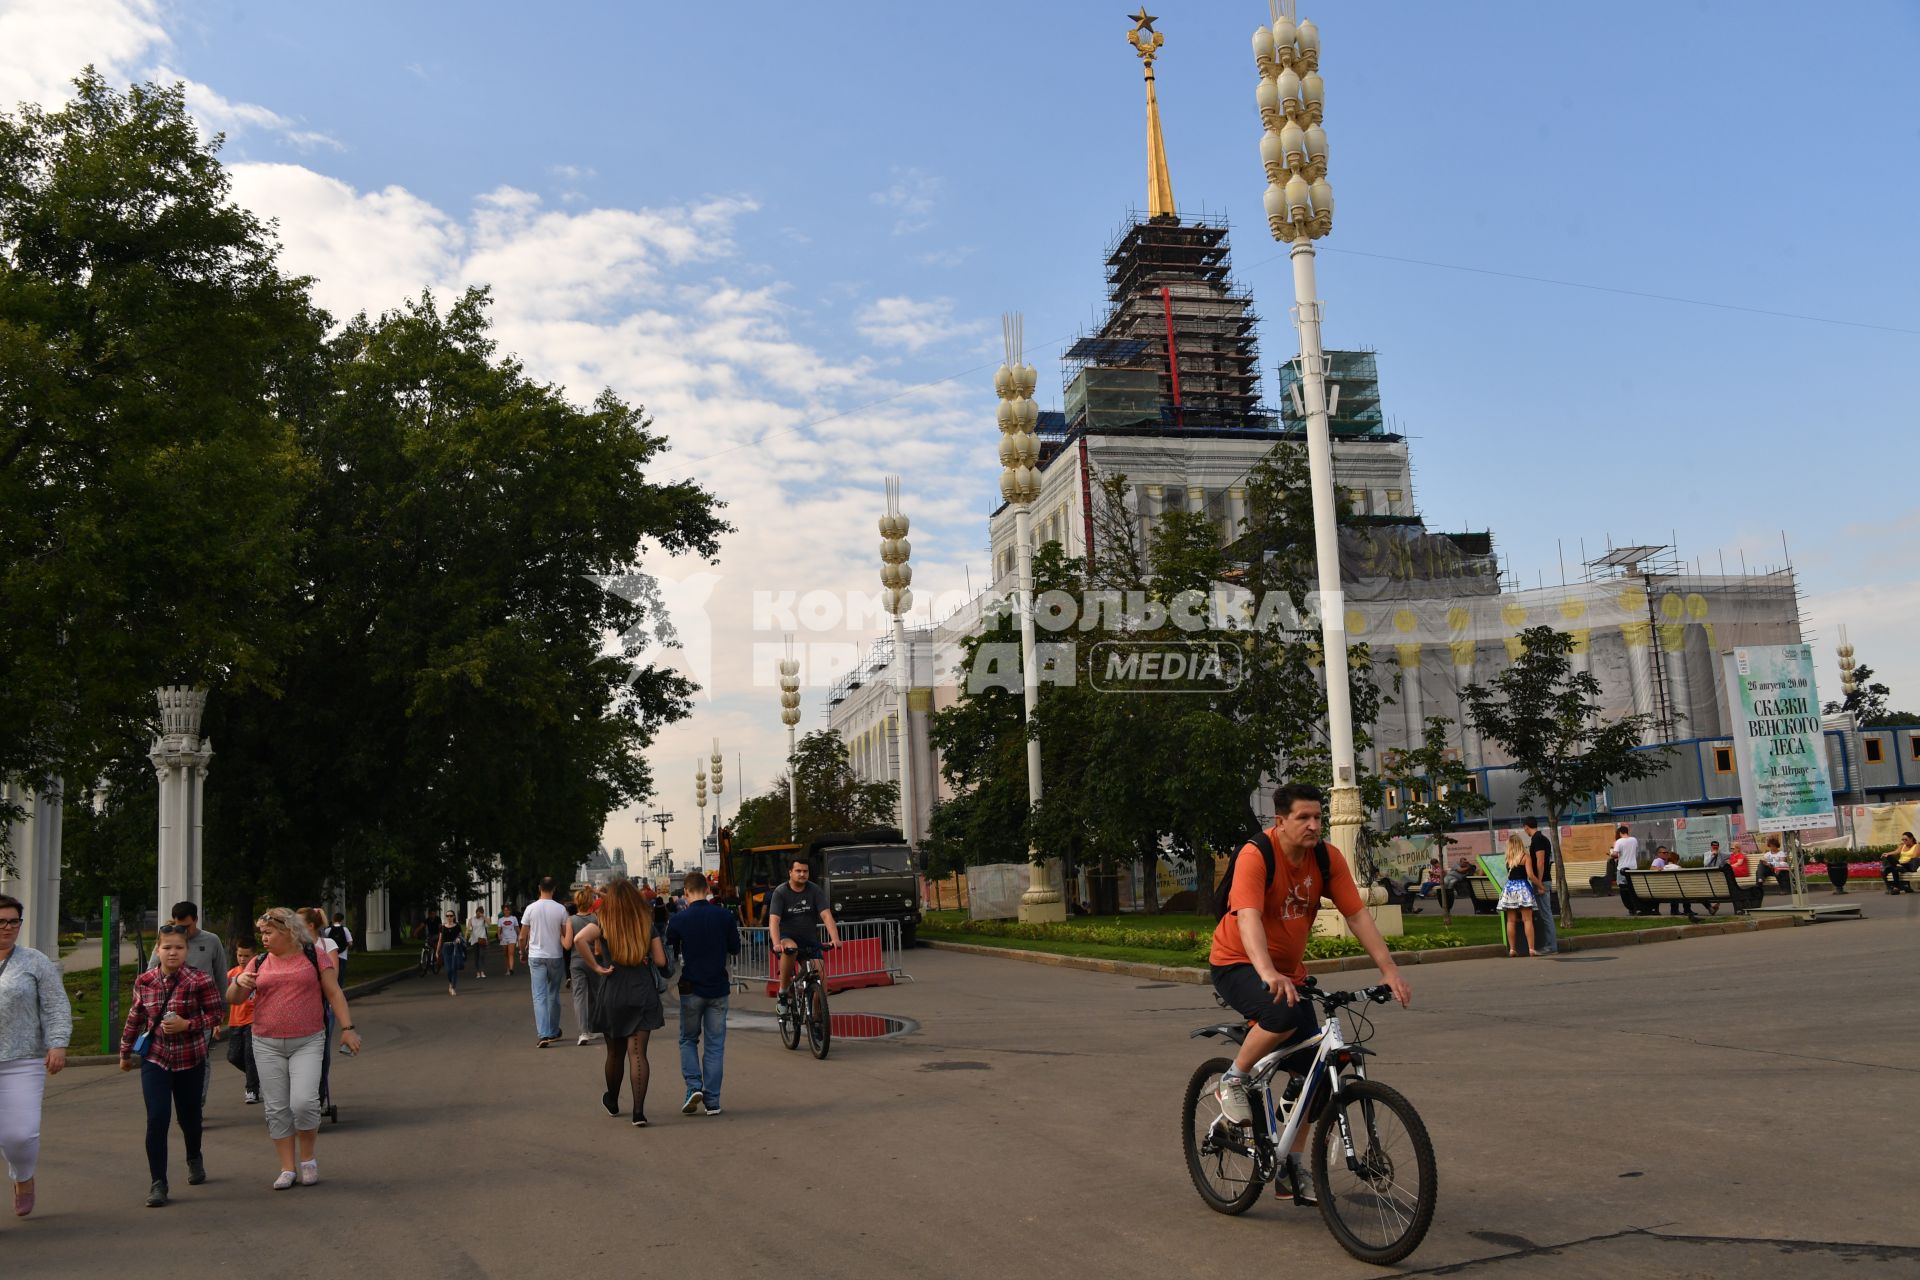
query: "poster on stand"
1778, 746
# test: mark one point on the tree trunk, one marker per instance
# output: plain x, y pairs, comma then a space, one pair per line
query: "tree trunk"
1560, 871
1150, 880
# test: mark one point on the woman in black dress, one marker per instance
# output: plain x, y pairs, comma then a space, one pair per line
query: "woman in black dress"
624, 953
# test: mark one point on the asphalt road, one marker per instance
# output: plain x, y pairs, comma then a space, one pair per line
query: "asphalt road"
1707, 1107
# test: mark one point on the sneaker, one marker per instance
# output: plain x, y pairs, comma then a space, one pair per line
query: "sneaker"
253, 1099
1303, 1190
710, 1107
196, 1171
285, 1180
157, 1195
582, 1040
611, 1101
695, 1100
309, 1172
639, 1119
1231, 1094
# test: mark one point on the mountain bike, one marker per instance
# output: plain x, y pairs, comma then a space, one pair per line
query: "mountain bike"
1371, 1159
804, 1006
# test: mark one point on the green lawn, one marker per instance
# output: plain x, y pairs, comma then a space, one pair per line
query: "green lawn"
1467, 930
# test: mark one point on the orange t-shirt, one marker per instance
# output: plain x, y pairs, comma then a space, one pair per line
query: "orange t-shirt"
1287, 908
239, 1015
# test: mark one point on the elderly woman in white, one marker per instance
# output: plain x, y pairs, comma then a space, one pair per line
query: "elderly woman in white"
36, 1022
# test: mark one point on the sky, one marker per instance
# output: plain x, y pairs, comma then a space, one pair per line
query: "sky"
1631, 278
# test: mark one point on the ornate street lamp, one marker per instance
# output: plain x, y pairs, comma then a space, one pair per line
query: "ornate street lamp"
790, 716
1299, 205
719, 785
1020, 485
896, 597
700, 795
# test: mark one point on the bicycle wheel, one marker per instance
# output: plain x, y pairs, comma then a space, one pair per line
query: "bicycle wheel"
819, 1030
790, 1019
1380, 1203
1224, 1173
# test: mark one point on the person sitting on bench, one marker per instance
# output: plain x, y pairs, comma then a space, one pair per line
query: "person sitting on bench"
1777, 863
1903, 861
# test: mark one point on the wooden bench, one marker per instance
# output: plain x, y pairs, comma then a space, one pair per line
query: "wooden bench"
1484, 893
1693, 885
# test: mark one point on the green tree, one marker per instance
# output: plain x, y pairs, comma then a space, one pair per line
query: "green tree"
155, 369
1547, 718
1438, 787
762, 819
1867, 702
832, 797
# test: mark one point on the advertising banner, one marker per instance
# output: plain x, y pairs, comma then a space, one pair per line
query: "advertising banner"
1781, 753
1691, 836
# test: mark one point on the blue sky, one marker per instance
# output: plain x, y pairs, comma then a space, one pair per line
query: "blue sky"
756, 219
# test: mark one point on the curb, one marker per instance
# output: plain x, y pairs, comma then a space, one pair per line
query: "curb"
354, 992
1344, 964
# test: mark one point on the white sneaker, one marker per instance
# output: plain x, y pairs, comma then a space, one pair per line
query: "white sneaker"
309, 1172
1303, 1181
1231, 1094
583, 1040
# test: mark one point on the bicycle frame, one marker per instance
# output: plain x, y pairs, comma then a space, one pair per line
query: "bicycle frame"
1331, 1057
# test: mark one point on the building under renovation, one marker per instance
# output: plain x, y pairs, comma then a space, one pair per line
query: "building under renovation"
1167, 394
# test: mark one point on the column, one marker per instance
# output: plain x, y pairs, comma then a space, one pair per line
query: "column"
180, 759
376, 929
35, 842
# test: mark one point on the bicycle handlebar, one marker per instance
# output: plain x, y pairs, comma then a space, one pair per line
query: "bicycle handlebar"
1379, 994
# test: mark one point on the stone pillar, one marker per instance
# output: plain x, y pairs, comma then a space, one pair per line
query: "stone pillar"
35, 842
376, 931
180, 758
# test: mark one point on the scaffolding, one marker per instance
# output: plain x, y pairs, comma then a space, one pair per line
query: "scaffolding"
1357, 412
1169, 278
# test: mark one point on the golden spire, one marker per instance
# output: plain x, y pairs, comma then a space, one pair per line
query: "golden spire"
1159, 182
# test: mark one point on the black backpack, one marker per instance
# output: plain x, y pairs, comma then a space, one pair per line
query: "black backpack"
1265, 846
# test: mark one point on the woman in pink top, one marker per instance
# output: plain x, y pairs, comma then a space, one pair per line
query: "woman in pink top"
292, 985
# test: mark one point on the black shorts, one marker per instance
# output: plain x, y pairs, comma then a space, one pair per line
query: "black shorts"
804, 950
1240, 986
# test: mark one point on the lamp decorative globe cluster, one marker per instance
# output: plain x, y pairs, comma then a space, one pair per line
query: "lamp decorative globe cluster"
1849, 681
1293, 149
896, 575
790, 692
700, 786
718, 773
1018, 416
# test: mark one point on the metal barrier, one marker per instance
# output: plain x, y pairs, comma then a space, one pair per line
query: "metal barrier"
868, 956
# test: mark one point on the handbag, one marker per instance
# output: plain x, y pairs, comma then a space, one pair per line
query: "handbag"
662, 978
236, 1048
144, 1041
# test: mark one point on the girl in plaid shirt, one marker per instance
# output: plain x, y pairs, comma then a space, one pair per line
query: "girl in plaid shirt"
174, 1006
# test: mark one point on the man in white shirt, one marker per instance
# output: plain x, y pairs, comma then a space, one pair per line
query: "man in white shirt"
542, 923
1626, 857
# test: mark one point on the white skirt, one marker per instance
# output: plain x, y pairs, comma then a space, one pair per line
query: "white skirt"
1518, 896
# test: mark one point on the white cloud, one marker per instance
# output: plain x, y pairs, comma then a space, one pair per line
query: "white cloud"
218, 114
44, 44
911, 195
903, 322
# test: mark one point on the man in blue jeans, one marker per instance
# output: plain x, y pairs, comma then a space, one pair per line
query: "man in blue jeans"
705, 934
542, 923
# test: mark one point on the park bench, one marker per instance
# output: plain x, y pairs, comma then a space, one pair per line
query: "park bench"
1484, 892
1699, 885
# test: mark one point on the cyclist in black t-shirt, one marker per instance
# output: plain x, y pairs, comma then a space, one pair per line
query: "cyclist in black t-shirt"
795, 911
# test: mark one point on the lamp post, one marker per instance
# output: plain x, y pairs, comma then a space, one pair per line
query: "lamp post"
661, 820
1020, 485
700, 796
1299, 206
790, 716
896, 597
715, 768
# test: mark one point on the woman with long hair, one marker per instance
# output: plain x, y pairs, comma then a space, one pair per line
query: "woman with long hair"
1522, 893
624, 953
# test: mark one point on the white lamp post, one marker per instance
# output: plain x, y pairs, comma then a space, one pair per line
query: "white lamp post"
790, 716
1299, 206
896, 596
1020, 485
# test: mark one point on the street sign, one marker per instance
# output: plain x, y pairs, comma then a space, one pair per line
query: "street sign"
1778, 746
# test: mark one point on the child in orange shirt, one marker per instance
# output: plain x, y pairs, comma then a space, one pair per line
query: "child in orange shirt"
240, 1023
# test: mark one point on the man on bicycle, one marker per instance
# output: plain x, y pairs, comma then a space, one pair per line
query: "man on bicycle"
1259, 947
794, 912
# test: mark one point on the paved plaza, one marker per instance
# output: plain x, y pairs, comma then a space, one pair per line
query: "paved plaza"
1707, 1107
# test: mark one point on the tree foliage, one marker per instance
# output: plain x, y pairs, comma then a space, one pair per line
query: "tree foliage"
1868, 701
382, 549
1546, 716
1438, 788
156, 368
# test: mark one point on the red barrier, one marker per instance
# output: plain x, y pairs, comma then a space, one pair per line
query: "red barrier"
856, 962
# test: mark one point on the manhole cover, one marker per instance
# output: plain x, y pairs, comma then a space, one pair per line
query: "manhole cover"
956, 1066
